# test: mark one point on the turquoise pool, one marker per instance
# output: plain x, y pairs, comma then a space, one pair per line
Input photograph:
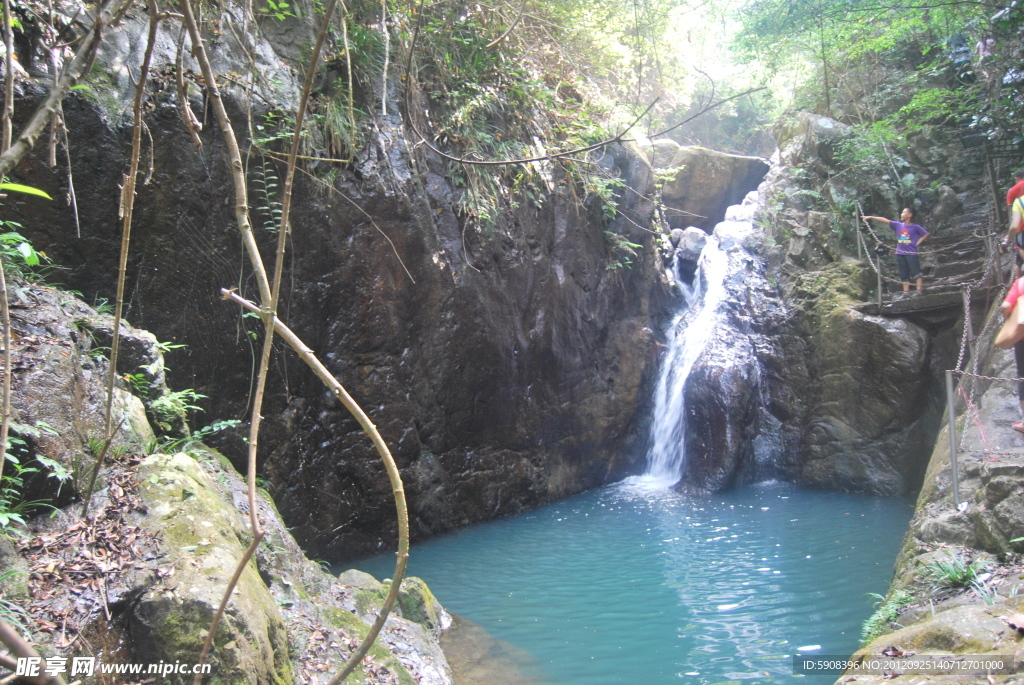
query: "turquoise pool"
640, 585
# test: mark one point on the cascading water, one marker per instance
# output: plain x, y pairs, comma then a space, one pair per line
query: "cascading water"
687, 336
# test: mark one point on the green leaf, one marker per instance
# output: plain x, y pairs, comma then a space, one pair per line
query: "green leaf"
80, 86
28, 190
30, 255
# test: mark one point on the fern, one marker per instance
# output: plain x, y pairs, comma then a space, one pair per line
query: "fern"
267, 185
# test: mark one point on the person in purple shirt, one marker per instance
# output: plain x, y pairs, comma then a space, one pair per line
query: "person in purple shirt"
908, 237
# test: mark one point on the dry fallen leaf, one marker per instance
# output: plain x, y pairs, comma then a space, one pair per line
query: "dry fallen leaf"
1016, 621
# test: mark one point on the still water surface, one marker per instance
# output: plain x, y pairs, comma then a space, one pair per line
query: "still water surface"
632, 584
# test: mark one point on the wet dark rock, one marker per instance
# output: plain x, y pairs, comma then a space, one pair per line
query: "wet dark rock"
723, 396
731, 435
512, 372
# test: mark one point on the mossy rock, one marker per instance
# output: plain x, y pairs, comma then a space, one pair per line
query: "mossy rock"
415, 603
959, 630
352, 625
204, 536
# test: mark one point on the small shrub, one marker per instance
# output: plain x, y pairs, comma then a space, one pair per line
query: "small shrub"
169, 445
954, 572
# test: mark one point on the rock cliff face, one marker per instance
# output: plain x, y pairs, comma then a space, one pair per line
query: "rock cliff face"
860, 394
505, 367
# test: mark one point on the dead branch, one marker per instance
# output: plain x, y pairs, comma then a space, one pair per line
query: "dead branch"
100, 459
249, 240
127, 204
5, 312
189, 117
234, 155
8, 117
269, 300
621, 137
75, 70
387, 58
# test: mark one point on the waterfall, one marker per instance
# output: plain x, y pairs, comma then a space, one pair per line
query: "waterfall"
687, 336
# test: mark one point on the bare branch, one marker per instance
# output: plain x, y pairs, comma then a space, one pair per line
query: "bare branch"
526, 160
79, 65
5, 312
510, 29
191, 123
339, 391
8, 116
705, 110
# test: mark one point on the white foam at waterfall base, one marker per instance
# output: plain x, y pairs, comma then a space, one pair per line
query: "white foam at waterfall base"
686, 338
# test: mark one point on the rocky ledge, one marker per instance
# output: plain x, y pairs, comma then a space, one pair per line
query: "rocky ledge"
140, 580
959, 577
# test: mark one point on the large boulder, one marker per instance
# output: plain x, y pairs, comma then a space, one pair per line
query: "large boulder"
723, 399
661, 152
689, 242
205, 536
809, 140
706, 183
61, 357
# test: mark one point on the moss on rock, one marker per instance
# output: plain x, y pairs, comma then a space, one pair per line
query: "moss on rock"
205, 536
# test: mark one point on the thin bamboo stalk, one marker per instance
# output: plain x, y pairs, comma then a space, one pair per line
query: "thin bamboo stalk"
269, 297
8, 118
394, 476
5, 311
127, 204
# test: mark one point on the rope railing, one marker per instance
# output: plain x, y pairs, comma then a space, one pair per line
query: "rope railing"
969, 341
968, 242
